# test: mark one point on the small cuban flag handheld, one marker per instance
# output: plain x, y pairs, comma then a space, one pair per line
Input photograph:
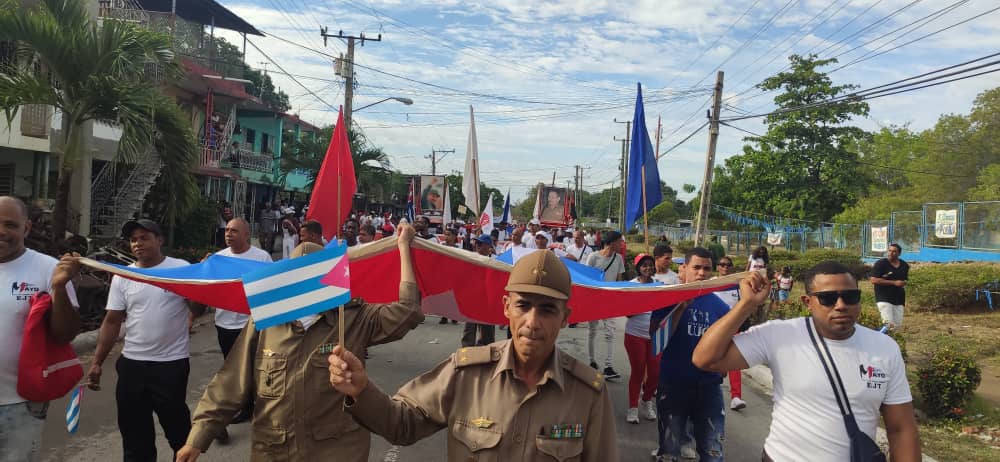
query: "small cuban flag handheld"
290, 289
73, 410
662, 335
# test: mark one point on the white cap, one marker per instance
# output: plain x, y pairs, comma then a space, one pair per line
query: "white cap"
534, 221
548, 237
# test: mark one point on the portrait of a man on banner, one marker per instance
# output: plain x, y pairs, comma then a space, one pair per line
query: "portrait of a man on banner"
431, 196
553, 206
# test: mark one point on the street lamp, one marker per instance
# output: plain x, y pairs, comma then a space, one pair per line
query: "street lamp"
406, 101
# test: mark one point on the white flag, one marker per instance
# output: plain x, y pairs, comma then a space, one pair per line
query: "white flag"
537, 213
446, 219
486, 219
470, 179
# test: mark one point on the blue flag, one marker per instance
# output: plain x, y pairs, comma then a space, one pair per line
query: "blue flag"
641, 156
505, 218
409, 205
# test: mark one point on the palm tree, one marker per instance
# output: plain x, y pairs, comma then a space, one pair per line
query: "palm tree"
371, 164
95, 73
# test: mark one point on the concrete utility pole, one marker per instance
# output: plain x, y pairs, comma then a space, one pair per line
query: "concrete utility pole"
349, 68
624, 171
706, 186
434, 158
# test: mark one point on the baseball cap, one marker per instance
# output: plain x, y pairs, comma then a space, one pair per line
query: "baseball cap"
610, 237
534, 221
639, 258
146, 224
541, 273
547, 236
485, 239
661, 250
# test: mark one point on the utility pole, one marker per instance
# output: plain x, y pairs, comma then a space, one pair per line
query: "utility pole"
348, 68
434, 158
706, 186
260, 94
623, 168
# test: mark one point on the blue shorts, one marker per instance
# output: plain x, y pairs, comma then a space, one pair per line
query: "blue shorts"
783, 295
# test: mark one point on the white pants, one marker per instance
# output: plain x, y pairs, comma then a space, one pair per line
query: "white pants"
609, 340
892, 314
288, 244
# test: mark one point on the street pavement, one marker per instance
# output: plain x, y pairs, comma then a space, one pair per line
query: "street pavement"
390, 366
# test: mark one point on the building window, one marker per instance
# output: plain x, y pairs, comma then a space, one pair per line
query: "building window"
7, 180
265, 143
250, 137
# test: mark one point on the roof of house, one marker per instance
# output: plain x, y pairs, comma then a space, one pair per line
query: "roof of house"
202, 12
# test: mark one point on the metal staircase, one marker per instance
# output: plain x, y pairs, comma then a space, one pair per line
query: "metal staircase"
117, 194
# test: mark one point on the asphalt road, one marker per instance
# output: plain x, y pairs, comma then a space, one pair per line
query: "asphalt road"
390, 366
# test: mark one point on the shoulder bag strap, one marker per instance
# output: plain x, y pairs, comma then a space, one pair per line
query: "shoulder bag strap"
613, 256
838, 391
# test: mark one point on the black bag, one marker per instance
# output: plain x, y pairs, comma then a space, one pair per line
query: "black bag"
863, 448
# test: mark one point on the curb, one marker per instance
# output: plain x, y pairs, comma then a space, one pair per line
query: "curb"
761, 375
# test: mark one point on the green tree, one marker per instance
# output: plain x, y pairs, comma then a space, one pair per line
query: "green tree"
95, 73
228, 60
988, 185
804, 166
372, 166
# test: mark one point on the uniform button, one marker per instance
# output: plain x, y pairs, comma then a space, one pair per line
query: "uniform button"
518, 439
475, 445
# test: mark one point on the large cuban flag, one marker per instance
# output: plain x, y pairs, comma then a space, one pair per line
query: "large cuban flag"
453, 283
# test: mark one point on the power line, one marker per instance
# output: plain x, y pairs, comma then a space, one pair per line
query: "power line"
695, 132
293, 78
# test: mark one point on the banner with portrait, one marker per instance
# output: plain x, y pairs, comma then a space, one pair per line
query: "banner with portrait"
553, 206
880, 238
946, 224
775, 238
431, 197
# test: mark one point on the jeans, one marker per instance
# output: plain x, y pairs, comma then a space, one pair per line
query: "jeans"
609, 340
21, 426
145, 387
702, 404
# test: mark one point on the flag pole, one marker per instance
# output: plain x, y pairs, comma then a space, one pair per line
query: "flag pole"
645, 213
340, 217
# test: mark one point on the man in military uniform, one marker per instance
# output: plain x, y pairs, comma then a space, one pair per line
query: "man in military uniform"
297, 415
519, 399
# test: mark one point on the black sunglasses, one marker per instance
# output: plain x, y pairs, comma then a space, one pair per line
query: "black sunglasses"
724, 264
829, 298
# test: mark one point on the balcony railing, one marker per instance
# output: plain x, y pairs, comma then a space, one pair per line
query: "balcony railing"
248, 160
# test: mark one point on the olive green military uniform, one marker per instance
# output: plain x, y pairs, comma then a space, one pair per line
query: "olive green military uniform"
491, 415
297, 414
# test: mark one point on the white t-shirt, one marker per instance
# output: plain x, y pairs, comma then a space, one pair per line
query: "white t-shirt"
614, 269
580, 254
806, 423
669, 278
230, 319
156, 321
757, 263
528, 239
20, 279
638, 325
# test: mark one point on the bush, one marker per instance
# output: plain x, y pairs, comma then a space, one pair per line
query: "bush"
949, 286
801, 262
947, 381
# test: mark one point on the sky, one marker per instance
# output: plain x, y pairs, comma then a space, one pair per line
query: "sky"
550, 80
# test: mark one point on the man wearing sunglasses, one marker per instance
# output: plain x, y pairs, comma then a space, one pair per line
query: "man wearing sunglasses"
806, 423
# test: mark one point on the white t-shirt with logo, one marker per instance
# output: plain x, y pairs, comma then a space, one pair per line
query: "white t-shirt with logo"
230, 319
806, 423
19, 280
156, 320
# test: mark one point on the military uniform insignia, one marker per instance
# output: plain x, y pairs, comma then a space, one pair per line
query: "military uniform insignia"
565, 431
326, 348
482, 422
268, 352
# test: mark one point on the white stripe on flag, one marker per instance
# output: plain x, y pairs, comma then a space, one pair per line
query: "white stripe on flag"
290, 277
73, 410
306, 299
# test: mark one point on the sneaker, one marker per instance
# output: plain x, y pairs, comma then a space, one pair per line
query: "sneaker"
648, 409
737, 404
688, 452
610, 373
443, 321
594, 365
632, 416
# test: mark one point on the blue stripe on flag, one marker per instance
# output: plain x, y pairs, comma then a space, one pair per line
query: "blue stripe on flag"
662, 335
284, 265
286, 291
290, 316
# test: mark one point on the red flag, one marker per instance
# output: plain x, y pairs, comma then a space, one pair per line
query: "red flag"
334, 182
